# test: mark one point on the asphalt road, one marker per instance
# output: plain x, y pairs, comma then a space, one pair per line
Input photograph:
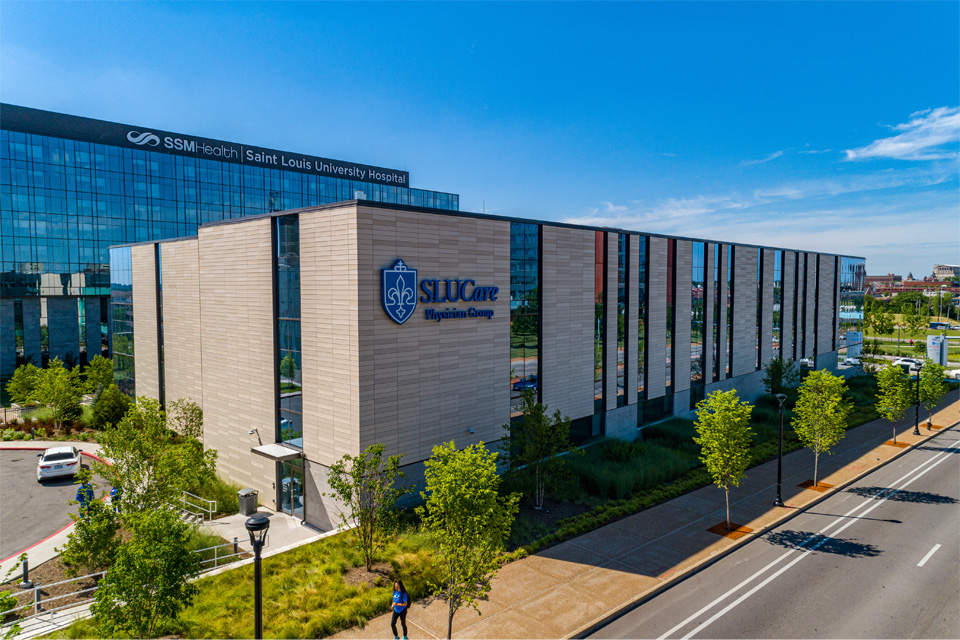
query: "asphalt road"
880, 559
29, 511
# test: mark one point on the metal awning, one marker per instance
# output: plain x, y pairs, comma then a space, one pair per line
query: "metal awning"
276, 452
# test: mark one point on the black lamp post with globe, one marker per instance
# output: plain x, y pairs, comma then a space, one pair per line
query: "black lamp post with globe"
257, 527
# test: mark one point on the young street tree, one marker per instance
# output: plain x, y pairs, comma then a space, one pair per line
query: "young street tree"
723, 423
469, 519
932, 386
365, 486
820, 415
536, 443
149, 582
893, 394
880, 320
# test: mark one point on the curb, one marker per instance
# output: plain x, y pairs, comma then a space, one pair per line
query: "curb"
37, 543
627, 607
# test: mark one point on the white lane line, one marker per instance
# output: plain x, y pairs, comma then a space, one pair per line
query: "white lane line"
752, 591
927, 557
800, 547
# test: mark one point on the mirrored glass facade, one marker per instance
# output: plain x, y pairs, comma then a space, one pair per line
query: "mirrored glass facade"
121, 320
717, 310
524, 311
289, 370
853, 272
697, 326
600, 332
729, 346
777, 301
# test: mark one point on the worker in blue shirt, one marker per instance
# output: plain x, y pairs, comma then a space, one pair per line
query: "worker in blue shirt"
84, 497
401, 602
115, 499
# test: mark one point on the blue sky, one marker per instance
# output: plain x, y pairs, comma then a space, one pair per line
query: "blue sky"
826, 126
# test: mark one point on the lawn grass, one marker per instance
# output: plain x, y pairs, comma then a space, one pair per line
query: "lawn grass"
304, 592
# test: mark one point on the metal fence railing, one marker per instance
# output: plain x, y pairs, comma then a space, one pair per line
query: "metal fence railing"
193, 507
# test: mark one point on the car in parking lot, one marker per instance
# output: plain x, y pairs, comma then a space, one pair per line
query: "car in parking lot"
851, 362
806, 363
523, 384
911, 363
58, 462
954, 375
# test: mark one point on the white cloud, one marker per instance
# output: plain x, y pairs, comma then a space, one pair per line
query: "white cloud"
772, 156
933, 134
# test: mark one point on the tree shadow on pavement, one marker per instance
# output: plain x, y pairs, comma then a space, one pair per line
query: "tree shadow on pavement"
916, 497
838, 546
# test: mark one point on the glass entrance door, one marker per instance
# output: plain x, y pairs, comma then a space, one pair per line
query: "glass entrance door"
291, 487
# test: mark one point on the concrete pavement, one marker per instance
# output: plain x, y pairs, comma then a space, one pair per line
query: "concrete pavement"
877, 560
576, 587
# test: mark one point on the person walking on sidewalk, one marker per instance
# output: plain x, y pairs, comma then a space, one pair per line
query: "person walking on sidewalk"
401, 602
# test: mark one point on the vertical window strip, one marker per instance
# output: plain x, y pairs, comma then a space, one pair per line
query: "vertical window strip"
623, 266
717, 310
642, 284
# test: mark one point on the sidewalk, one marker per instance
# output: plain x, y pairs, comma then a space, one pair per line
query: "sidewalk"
566, 590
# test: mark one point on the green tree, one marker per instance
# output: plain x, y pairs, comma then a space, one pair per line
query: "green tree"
99, 373
893, 394
148, 464
820, 415
913, 323
880, 320
186, 418
110, 408
148, 584
723, 424
780, 376
23, 383
534, 446
932, 386
93, 543
58, 389
365, 486
468, 518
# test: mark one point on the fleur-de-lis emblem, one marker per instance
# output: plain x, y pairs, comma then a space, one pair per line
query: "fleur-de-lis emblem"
398, 291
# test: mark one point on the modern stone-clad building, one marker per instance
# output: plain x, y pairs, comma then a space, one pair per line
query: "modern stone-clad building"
312, 333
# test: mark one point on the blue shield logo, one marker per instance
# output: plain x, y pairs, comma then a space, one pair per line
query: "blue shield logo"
398, 291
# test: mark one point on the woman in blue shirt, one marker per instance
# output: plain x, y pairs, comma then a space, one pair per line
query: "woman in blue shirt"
401, 602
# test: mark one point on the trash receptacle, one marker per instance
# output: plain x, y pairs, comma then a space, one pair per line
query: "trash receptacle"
248, 501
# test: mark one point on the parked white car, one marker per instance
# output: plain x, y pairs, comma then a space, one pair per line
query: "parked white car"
955, 374
851, 362
912, 363
807, 362
58, 462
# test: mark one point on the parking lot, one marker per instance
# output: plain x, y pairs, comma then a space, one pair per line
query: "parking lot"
29, 511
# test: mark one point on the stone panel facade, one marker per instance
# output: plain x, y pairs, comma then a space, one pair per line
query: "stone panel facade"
826, 304
681, 310
810, 326
744, 311
567, 333
633, 310
236, 324
610, 353
786, 306
145, 336
181, 320
427, 382
766, 307
656, 318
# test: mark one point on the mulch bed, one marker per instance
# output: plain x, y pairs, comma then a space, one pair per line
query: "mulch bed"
378, 576
821, 486
49, 572
901, 445
735, 531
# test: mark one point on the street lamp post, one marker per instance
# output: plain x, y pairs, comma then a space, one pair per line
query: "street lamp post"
916, 426
779, 501
257, 527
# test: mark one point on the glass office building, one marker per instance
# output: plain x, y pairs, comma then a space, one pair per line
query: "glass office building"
71, 187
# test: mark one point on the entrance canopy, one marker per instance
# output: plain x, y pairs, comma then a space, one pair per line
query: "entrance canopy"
276, 452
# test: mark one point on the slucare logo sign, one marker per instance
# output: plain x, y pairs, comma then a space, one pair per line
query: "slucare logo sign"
398, 295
